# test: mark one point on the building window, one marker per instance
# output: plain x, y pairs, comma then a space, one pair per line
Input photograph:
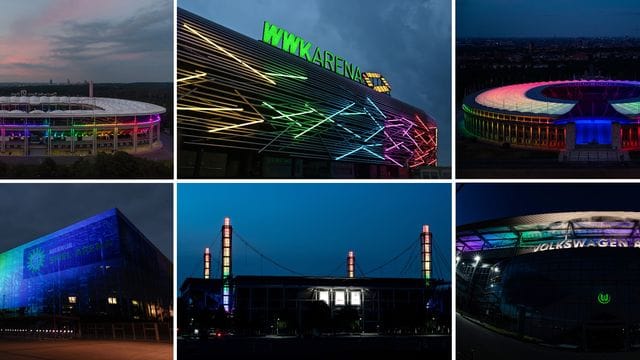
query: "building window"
112, 301
323, 296
339, 299
72, 299
356, 298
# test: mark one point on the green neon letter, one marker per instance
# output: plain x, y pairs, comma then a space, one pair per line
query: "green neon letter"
348, 70
339, 65
290, 43
304, 50
317, 57
329, 61
357, 76
271, 34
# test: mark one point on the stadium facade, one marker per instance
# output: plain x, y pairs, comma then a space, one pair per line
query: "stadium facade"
567, 279
99, 269
288, 305
558, 115
76, 126
283, 107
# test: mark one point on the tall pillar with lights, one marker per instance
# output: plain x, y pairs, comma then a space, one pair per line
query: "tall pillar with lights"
425, 244
226, 263
207, 263
351, 264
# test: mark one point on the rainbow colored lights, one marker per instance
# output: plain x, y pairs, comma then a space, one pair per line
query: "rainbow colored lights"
310, 113
226, 230
552, 231
425, 246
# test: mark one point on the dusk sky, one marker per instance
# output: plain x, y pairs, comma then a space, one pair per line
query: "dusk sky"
409, 42
310, 227
103, 41
547, 18
30, 211
479, 202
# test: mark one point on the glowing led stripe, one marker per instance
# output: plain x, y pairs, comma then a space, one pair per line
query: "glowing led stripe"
281, 113
374, 134
236, 126
349, 131
372, 118
354, 113
372, 153
229, 54
195, 108
349, 153
374, 105
325, 119
395, 162
287, 76
295, 114
192, 77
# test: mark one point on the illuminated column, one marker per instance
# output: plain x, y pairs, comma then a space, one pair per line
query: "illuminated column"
207, 264
351, 265
226, 263
425, 243
4, 133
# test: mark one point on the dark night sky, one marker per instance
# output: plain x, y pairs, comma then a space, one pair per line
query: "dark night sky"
479, 202
310, 227
547, 18
409, 42
30, 211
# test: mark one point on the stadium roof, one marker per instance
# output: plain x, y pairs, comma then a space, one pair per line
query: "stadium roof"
528, 98
96, 106
529, 230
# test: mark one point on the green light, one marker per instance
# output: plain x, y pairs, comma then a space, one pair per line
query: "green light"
295, 45
604, 298
322, 121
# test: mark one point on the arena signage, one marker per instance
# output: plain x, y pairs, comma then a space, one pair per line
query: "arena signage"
580, 243
295, 45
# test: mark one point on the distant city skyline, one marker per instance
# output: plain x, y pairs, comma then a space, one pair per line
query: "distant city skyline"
111, 41
547, 18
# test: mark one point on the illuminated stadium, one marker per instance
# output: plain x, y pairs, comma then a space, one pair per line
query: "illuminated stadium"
63, 126
277, 108
558, 115
566, 279
101, 270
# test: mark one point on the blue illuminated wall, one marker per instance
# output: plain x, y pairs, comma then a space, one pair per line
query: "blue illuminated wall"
593, 132
99, 267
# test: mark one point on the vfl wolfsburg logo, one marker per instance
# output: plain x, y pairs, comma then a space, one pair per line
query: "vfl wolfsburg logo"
604, 299
35, 260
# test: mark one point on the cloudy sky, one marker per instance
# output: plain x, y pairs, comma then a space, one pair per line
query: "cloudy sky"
408, 41
547, 18
30, 211
310, 227
104, 41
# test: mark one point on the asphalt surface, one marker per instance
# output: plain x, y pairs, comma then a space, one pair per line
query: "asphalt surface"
83, 349
475, 342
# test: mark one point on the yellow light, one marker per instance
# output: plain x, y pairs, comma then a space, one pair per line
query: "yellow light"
228, 54
235, 126
195, 108
192, 77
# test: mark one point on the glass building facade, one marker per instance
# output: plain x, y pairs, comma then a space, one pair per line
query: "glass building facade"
101, 268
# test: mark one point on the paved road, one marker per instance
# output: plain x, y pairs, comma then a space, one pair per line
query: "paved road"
475, 342
83, 349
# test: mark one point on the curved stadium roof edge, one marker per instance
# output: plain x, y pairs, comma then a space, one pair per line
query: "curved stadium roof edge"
551, 218
101, 107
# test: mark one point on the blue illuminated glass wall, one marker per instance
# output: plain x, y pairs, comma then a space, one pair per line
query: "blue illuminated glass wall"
101, 267
593, 132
